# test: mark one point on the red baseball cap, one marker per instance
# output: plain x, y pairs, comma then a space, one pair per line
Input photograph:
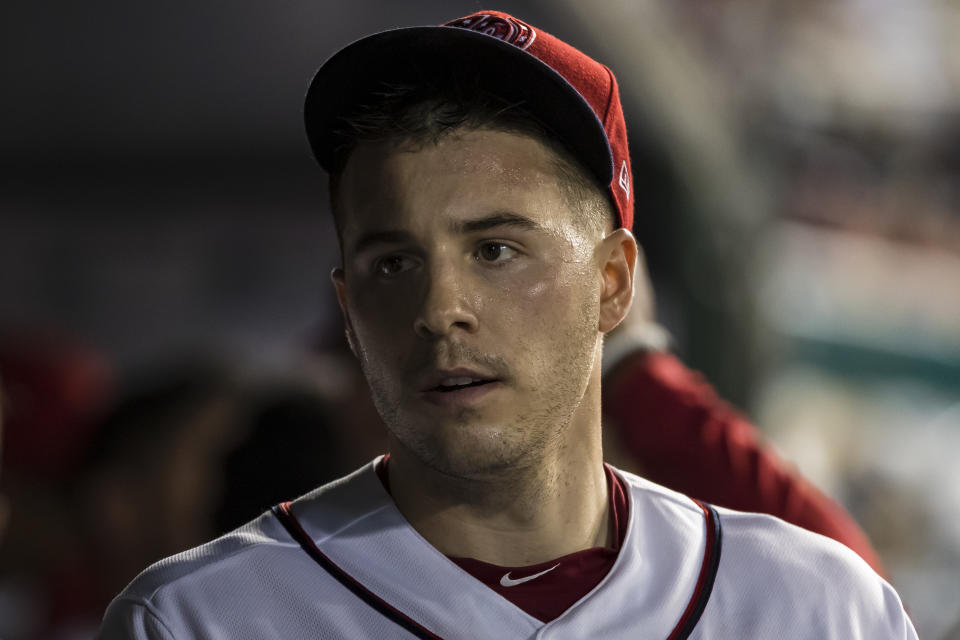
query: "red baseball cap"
576, 97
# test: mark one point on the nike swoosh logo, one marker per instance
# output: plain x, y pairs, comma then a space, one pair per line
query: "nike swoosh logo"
507, 581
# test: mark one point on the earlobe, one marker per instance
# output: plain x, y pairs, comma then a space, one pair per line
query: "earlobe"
619, 260
339, 285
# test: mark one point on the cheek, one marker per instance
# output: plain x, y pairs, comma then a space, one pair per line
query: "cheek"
379, 312
545, 296
383, 328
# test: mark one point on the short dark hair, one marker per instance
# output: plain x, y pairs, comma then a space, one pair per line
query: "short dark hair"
414, 115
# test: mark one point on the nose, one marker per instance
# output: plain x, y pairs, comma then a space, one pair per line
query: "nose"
445, 307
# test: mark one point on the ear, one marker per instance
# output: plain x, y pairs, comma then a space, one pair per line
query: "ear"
340, 286
618, 258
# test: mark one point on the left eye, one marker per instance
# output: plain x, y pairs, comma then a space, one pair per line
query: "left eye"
495, 252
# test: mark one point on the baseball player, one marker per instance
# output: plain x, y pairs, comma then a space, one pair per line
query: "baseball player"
482, 192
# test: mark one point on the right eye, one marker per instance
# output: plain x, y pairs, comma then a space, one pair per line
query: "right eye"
389, 266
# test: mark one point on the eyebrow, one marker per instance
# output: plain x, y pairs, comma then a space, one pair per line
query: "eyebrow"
498, 219
368, 240
494, 220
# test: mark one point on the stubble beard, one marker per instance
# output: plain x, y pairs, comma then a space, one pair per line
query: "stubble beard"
470, 446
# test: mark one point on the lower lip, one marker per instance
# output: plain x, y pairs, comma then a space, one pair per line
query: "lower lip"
468, 396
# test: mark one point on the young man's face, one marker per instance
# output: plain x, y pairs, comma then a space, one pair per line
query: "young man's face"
471, 296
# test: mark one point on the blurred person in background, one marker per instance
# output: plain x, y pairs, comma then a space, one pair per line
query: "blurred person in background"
105, 480
100, 481
150, 481
55, 390
288, 442
184, 453
665, 422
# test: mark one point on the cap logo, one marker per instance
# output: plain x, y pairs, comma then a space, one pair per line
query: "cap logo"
509, 30
624, 179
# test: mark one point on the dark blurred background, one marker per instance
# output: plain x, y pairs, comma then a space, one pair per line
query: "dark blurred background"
797, 173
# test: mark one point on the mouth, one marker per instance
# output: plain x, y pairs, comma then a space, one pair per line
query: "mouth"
459, 387
450, 385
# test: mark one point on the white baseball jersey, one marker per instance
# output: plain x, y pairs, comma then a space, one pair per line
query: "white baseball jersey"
683, 571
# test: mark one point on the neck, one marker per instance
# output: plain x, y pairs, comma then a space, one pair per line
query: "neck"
550, 507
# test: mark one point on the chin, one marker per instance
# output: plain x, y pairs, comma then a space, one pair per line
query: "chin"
469, 450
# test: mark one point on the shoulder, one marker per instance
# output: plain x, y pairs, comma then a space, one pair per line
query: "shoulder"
141, 609
227, 575
224, 554
792, 554
776, 580
773, 573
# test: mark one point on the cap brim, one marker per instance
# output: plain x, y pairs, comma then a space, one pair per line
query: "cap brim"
352, 76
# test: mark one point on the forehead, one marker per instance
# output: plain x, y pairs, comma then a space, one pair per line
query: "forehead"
462, 175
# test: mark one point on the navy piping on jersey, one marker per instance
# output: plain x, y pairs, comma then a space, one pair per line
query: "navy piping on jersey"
292, 525
689, 619
708, 572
